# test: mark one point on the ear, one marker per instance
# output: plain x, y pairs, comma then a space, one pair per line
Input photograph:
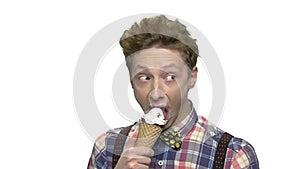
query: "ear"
193, 78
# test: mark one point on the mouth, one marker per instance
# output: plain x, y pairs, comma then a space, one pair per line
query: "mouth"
166, 113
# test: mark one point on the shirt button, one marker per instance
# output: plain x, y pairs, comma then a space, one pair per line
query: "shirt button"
160, 162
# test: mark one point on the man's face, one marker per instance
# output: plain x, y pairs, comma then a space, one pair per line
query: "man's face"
160, 78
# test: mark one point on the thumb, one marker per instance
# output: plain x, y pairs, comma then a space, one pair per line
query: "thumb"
132, 137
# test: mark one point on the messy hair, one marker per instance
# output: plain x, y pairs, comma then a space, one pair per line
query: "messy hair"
160, 32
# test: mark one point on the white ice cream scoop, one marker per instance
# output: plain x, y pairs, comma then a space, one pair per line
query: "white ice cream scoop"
155, 116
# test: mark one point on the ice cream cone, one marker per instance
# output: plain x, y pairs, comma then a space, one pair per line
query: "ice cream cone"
148, 134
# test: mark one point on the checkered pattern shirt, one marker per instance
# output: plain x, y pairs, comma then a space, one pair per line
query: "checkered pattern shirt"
199, 144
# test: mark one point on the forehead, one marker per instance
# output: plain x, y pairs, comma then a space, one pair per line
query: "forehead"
157, 58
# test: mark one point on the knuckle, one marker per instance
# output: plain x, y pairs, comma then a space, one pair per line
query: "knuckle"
129, 160
130, 150
131, 165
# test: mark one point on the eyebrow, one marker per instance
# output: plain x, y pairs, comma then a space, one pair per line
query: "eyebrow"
139, 68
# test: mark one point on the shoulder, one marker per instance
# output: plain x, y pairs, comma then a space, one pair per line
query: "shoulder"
104, 140
240, 153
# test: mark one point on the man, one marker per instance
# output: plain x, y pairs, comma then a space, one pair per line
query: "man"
161, 58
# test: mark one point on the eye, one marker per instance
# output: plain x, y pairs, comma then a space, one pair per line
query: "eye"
143, 77
170, 77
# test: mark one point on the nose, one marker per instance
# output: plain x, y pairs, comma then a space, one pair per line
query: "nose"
156, 95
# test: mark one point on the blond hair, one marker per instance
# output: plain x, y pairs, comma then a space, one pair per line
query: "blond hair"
160, 32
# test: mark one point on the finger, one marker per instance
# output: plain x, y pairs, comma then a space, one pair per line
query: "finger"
132, 137
142, 151
143, 160
145, 151
133, 163
138, 166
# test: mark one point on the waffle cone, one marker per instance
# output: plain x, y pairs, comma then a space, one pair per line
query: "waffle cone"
148, 134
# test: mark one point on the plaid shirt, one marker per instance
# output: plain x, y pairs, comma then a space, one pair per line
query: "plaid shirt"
199, 144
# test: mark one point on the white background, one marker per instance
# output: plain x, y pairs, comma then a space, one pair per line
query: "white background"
257, 43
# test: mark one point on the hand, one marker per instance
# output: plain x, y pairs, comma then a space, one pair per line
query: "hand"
134, 157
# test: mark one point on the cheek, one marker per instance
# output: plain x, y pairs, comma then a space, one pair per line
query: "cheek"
177, 91
184, 88
141, 96
174, 93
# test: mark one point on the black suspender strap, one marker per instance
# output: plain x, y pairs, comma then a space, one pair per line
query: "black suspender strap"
221, 151
119, 145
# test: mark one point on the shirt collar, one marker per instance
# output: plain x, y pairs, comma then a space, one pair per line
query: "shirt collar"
187, 124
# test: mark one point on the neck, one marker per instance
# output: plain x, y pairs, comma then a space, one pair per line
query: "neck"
186, 109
